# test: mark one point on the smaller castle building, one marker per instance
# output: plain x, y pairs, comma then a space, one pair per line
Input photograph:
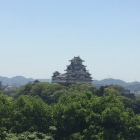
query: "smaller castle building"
75, 73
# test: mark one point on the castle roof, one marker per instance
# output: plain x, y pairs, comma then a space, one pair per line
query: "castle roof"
77, 59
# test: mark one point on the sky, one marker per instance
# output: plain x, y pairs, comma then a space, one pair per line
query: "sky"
38, 37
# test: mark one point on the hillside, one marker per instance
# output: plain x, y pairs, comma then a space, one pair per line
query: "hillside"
134, 86
110, 81
19, 80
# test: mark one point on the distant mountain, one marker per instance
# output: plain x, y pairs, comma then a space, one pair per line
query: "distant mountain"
135, 86
110, 81
133, 83
4, 80
19, 80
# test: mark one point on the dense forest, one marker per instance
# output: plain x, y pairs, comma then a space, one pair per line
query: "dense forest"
79, 112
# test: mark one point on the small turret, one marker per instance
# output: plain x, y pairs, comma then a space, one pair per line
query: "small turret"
56, 73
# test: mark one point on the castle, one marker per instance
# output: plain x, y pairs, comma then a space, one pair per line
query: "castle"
75, 73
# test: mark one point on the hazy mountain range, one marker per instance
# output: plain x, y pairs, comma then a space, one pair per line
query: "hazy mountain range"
20, 80
134, 86
111, 81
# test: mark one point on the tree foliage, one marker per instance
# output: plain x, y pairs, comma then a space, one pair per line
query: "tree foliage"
80, 112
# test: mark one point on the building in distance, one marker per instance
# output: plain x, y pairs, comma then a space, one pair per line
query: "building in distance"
75, 73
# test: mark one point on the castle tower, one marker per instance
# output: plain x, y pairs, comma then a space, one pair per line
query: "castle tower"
75, 73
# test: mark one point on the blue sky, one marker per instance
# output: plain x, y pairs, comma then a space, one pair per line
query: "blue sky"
38, 37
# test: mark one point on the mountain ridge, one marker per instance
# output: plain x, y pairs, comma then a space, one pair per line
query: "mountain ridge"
20, 80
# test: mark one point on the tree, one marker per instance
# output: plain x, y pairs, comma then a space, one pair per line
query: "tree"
30, 114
